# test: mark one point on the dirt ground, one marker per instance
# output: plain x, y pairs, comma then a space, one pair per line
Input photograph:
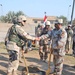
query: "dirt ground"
32, 59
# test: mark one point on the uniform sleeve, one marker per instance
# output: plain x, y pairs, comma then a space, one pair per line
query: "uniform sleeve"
6, 38
22, 33
48, 35
62, 39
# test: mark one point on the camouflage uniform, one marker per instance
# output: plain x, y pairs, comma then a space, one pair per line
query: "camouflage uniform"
69, 38
14, 42
44, 44
73, 47
38, 32
59, 38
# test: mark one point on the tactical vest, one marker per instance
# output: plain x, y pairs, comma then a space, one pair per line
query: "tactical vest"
45, 31
45, 41
13, 36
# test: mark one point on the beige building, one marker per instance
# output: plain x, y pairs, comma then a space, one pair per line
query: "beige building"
35, 20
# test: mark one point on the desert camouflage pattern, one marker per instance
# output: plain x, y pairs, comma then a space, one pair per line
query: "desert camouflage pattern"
69, 42
13, 49
73, 47
58, 38
44, 46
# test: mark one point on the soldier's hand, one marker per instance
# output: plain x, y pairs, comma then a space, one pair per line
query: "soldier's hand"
37, 39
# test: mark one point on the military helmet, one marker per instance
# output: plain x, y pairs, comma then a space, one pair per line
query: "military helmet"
21, 18
48, 23
58, 23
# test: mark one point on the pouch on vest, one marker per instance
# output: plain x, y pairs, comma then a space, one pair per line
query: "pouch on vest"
13, 36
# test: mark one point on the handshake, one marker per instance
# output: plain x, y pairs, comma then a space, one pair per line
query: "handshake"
37, 38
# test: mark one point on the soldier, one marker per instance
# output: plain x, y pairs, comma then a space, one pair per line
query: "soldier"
59, 37
69, 38
14, 42
38, 31
44, 44
73, 47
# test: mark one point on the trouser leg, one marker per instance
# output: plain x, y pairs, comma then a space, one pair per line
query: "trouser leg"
46, 52
73, 47
13, 61
58, 63
41, 52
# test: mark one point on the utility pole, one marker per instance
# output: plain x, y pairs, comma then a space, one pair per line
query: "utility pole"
68, 14
72, 11
1, 9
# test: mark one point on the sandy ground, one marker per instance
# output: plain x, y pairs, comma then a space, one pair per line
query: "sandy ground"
32, 59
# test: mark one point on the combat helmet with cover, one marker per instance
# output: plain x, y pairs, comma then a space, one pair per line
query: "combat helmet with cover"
21, 18
13, 36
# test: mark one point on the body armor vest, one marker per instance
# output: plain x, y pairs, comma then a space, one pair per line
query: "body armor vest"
13, 36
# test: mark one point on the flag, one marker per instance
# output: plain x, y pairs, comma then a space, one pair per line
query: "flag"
45, 18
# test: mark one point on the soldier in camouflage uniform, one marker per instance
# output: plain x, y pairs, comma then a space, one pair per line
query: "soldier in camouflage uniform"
38, 31
44, 44
69, 38
59, 37
73, 47
14, 42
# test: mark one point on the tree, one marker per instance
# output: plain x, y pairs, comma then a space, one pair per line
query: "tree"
10, 15
74, 21
19, 13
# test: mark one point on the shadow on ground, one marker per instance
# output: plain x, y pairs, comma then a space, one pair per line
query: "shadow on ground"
2, 72
3, 57
68, 70
38, 63
3, 63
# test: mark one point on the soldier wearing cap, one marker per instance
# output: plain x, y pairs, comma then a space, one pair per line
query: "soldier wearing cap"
69, 38
44, 44
58, 36
14, 41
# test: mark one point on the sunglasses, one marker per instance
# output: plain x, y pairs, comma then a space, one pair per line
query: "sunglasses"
24, 20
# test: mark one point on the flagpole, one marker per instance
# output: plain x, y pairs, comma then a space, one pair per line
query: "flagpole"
72, 11
45, 13
45, 18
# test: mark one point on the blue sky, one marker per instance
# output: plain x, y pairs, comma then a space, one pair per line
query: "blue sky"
36, 8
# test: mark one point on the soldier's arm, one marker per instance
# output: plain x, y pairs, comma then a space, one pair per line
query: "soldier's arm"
62, 39
22, 33
6, 38
48, 35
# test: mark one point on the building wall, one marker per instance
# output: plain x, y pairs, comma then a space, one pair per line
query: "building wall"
36, 21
